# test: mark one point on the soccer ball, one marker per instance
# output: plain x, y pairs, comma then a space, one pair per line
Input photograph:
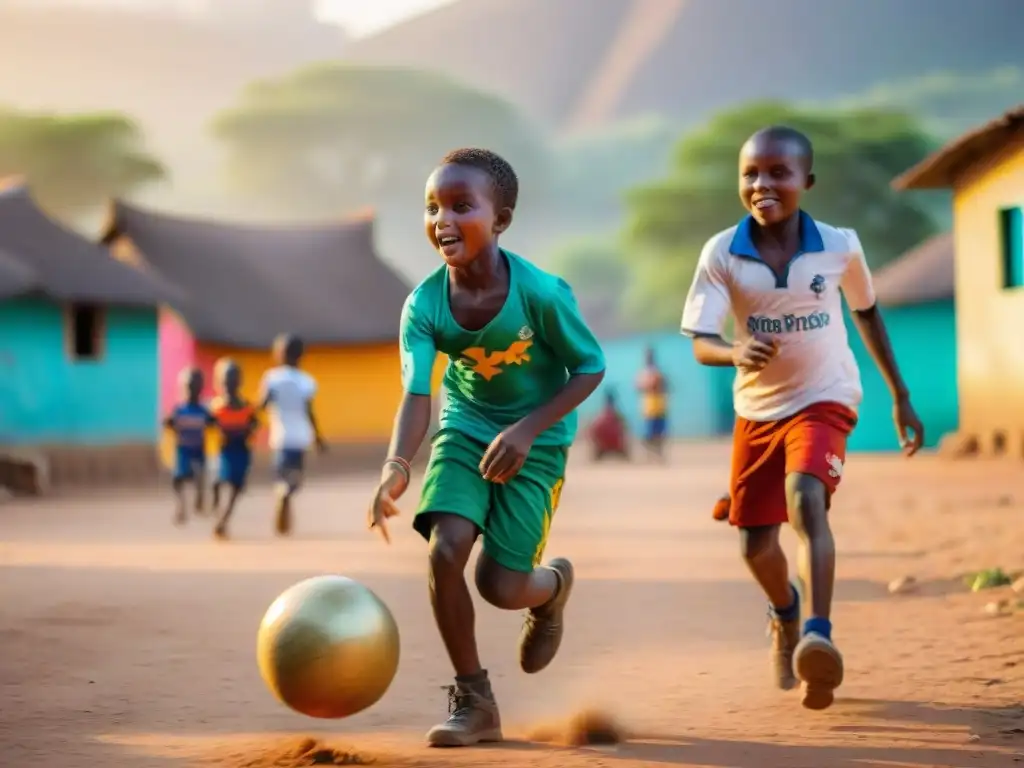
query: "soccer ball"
328, 647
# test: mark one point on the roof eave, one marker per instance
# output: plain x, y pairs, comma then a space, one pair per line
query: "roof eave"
920, 178
943, 168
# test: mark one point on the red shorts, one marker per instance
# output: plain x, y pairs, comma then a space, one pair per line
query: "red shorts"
812, 442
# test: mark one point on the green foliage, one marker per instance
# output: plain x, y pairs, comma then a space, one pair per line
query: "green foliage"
593, 264
947, 103
335, 136
73, 163
987, 579
857, 154
592, 169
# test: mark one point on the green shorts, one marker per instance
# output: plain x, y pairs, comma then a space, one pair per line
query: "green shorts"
515, 516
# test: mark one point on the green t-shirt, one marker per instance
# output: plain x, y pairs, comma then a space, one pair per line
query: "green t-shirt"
510, 367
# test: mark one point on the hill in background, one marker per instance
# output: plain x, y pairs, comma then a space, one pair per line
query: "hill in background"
687, 58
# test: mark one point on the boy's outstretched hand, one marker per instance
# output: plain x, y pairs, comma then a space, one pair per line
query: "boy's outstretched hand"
393, 483
507, 453
908, 426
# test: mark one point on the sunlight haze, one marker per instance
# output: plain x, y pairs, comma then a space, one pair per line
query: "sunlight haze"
361, 18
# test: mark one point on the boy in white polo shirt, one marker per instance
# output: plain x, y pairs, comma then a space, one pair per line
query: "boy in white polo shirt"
287, 393
780, 273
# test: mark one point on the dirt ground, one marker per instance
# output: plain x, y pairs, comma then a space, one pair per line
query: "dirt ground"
127, 642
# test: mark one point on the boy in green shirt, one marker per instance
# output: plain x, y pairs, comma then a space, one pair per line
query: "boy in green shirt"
521, 360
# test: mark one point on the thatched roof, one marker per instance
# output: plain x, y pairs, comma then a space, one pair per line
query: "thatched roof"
246, 284
39, 256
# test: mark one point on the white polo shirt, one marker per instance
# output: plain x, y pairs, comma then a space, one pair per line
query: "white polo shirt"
801, 308
289, 390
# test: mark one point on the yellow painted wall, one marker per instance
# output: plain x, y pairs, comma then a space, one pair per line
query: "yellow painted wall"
989, 318
359, 388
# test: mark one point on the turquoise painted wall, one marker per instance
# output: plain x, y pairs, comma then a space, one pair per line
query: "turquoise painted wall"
46, 398
924, 340
700, 400
923, 337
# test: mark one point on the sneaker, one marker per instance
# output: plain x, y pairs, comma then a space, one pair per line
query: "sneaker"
543, 628
819, 665
472, 716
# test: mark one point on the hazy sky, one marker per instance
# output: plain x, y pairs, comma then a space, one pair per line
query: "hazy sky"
362, 17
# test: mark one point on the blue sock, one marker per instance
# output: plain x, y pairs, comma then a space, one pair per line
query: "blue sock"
818, 626
791, 612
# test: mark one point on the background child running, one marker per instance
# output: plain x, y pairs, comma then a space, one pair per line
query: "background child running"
188, 422
287, 394
236, 421
653, 388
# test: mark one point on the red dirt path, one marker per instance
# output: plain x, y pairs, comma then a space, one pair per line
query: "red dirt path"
126, 642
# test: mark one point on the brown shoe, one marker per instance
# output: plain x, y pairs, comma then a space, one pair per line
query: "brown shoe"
544, 626
472, 716
785, 636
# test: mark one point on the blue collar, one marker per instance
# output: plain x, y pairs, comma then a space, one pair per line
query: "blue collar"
743, 243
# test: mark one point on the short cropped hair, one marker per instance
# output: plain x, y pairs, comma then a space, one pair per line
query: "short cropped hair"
498, 169
289, 346
786, 133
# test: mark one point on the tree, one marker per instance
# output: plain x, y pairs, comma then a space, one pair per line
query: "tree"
74, 163
336, 137
947, 103
590, 170
593, 265
857, 154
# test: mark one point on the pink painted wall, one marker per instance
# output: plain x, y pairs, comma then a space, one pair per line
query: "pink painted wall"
177, 351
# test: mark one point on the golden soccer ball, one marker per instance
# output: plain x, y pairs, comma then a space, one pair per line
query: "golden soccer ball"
328, 647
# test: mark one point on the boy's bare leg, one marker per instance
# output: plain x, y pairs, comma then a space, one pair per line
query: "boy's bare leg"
473, 713
221, 530
180, 514
544, 591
